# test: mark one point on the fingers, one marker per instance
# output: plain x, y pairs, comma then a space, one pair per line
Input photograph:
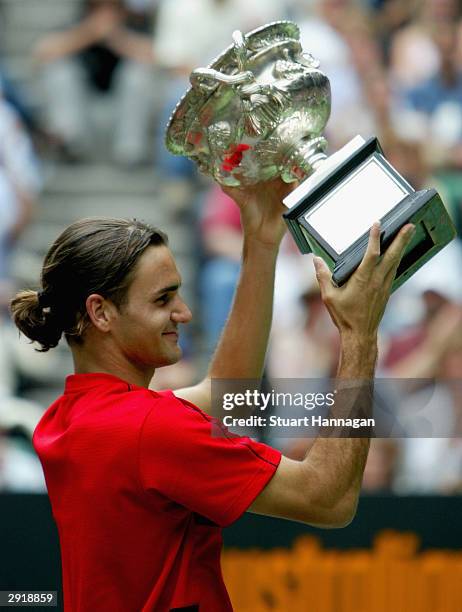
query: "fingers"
395, 251
232, 192
372, 254
282, 188
390, 266
239, 195
273, 187
323, 275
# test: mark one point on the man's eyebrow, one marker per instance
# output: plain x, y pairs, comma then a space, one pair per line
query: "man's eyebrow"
174, 287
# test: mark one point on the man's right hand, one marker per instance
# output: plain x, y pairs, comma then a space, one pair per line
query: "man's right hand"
357, 307
261, 210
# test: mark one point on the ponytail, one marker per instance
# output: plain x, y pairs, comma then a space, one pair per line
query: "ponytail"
34, 320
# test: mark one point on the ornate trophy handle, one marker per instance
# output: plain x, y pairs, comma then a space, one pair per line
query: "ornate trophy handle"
240, 50
208, 79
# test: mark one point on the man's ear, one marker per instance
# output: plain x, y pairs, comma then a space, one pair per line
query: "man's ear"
101, 312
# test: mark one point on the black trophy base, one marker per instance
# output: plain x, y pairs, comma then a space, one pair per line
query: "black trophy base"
434, 228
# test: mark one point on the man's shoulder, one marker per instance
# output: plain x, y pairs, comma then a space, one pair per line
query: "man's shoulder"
99, 406
167, 399
108, 418
169, 412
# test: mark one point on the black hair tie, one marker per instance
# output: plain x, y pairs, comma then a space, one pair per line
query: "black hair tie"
43, 299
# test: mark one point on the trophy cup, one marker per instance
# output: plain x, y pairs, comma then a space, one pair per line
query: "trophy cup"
258, 112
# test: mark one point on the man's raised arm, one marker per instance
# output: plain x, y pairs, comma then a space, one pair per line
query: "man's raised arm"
242, 347
323, 489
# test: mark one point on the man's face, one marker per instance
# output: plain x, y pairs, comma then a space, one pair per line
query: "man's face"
146, 327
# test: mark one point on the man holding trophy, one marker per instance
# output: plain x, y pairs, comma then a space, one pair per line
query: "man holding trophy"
139, 485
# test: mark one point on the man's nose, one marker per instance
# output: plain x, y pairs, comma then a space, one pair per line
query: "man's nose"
181, 313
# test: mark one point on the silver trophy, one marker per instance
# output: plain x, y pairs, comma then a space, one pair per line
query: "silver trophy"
258, 111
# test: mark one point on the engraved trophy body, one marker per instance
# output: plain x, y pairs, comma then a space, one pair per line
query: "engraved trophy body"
258, 111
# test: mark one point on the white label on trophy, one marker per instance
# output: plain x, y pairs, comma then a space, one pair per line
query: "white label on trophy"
348, 211
329, 164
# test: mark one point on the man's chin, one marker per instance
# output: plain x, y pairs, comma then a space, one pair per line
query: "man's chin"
173, 357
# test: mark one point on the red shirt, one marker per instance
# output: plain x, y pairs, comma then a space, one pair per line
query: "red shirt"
140, 489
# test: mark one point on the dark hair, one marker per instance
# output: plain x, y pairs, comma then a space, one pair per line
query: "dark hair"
96, 255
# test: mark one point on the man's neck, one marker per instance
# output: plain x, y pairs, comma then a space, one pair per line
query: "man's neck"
86, 363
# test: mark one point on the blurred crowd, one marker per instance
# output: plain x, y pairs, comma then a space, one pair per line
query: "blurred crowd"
396, 72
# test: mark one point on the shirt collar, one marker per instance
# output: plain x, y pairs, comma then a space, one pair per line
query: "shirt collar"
83, 382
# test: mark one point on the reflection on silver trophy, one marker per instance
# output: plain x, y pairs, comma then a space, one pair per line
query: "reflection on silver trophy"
258, 112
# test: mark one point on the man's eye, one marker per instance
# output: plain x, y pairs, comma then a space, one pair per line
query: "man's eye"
163, 299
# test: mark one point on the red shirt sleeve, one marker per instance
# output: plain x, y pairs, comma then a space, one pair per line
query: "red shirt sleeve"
193, 460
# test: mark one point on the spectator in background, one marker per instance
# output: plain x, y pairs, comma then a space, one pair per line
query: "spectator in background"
428, 358
8, 223
110, 49
19, 186
414, 56
339, 36
410, 159
306, 348
20, 469
417, 350
381, 466
209, 25
12, 94
438, 101
222, 245
434, 464
388, 17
